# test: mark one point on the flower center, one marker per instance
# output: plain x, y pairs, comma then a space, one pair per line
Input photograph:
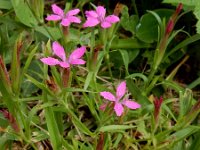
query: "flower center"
101, 17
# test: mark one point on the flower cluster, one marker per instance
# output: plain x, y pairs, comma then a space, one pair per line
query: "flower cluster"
94, 17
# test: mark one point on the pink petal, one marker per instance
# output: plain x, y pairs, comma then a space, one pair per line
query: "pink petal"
91, 22
74, 19
50, 61
77, 53
121, 90
131, 104
65, 22
101, 11
77, 62
57, 10
91, 14
64, 64
112, 19
107, 95
105, 24
59, 50
118, 109
53, 18
73, 12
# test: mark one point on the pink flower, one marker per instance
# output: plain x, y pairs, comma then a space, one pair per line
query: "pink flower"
118, 107
98, 17
66, 18
74, 58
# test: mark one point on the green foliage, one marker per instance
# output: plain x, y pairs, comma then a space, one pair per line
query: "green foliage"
24, 13
147, 30
53, 107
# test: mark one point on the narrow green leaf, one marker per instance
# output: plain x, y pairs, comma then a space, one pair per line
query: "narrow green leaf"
195, 142
29, 59
185, 101
173, 85
78, 123
15, 65
194, 83
184, 43
183, 133
88, 80
115, 128
40, 85
125, 58
140, 75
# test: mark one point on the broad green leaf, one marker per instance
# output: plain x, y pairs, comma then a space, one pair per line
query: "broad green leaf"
5, 4
197, 14
23, 13
129, 23
185, 2
34, 70
130, 43
147, 29
50, 32
133, 53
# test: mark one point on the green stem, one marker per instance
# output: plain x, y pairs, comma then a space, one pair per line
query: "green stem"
151, 85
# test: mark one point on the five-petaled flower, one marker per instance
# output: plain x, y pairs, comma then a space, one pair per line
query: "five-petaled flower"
74, 57
66, 18
98, 17
118, 106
